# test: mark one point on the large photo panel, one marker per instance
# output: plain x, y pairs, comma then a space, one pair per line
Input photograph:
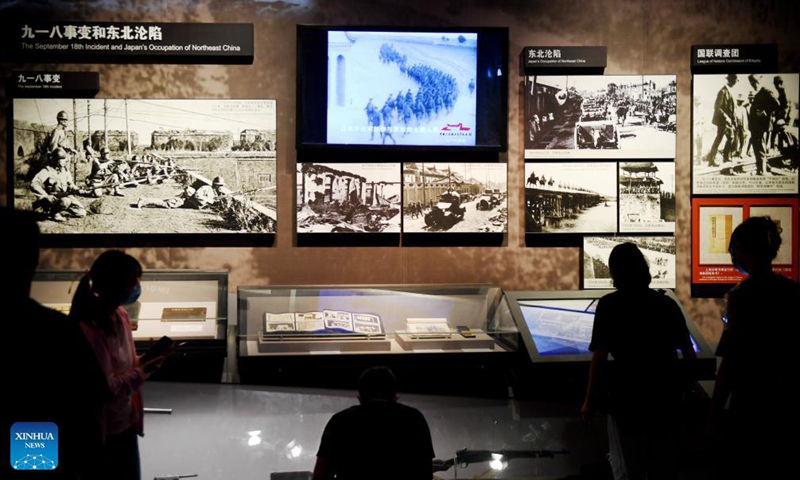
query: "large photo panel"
146, 171
600, 116
744, 134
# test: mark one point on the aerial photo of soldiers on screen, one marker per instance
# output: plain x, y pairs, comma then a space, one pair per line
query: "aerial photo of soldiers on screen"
619, 116
146, 166
401, 88
455, 197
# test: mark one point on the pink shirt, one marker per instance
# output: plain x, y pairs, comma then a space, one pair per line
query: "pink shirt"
116, 354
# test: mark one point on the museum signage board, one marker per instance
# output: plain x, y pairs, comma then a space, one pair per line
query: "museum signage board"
727, 58
53, 83
132, 42
559, 57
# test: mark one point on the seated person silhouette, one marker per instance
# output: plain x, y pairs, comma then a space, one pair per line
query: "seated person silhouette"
379, 438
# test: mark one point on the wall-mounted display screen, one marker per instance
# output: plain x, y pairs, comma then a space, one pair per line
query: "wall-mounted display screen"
383, 87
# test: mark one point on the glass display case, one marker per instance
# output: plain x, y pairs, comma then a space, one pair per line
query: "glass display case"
190, 306
313, 320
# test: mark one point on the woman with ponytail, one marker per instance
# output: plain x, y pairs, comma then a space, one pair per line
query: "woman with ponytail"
113, 281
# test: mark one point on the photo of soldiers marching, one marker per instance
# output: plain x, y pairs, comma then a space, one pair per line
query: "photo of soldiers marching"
745, 133
402, 89
455, 197
93, 173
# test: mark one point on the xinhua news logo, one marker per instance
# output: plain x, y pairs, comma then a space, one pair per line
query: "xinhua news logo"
34, 446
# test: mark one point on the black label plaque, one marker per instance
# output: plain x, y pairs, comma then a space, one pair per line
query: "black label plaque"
53, 84
132, 42
545, 58
754, 58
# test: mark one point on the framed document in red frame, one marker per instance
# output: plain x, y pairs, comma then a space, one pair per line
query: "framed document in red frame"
713, 221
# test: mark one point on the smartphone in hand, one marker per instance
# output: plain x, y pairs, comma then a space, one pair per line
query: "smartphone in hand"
158, 349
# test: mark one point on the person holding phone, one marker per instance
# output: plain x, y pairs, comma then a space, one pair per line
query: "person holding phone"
113, 281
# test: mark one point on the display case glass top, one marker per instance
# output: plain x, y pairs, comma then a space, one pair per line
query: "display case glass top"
302, 320
182, 304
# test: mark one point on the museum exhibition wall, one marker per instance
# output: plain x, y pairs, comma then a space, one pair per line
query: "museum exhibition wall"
649, 41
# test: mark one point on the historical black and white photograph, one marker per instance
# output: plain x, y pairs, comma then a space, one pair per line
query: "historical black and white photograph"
647, 197
570, 197
338, 320
146, 166
348, 198
715, 225
600, 116
402, 88
309, 321
367, 328
782, 215
455, 197
279, 322
745, 133
658, 251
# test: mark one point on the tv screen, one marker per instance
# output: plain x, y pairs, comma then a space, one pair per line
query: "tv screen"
408, 88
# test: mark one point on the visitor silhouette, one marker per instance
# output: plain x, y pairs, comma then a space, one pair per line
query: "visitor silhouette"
642, 391
379, 438
758, 363
49, 369
113, 281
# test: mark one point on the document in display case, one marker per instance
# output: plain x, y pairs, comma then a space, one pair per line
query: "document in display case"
189, 306
393, 319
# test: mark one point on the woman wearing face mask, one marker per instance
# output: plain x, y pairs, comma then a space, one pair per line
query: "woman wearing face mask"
759, 359
113, 281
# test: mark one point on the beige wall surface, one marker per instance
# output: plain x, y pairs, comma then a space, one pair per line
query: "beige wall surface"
642, 36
